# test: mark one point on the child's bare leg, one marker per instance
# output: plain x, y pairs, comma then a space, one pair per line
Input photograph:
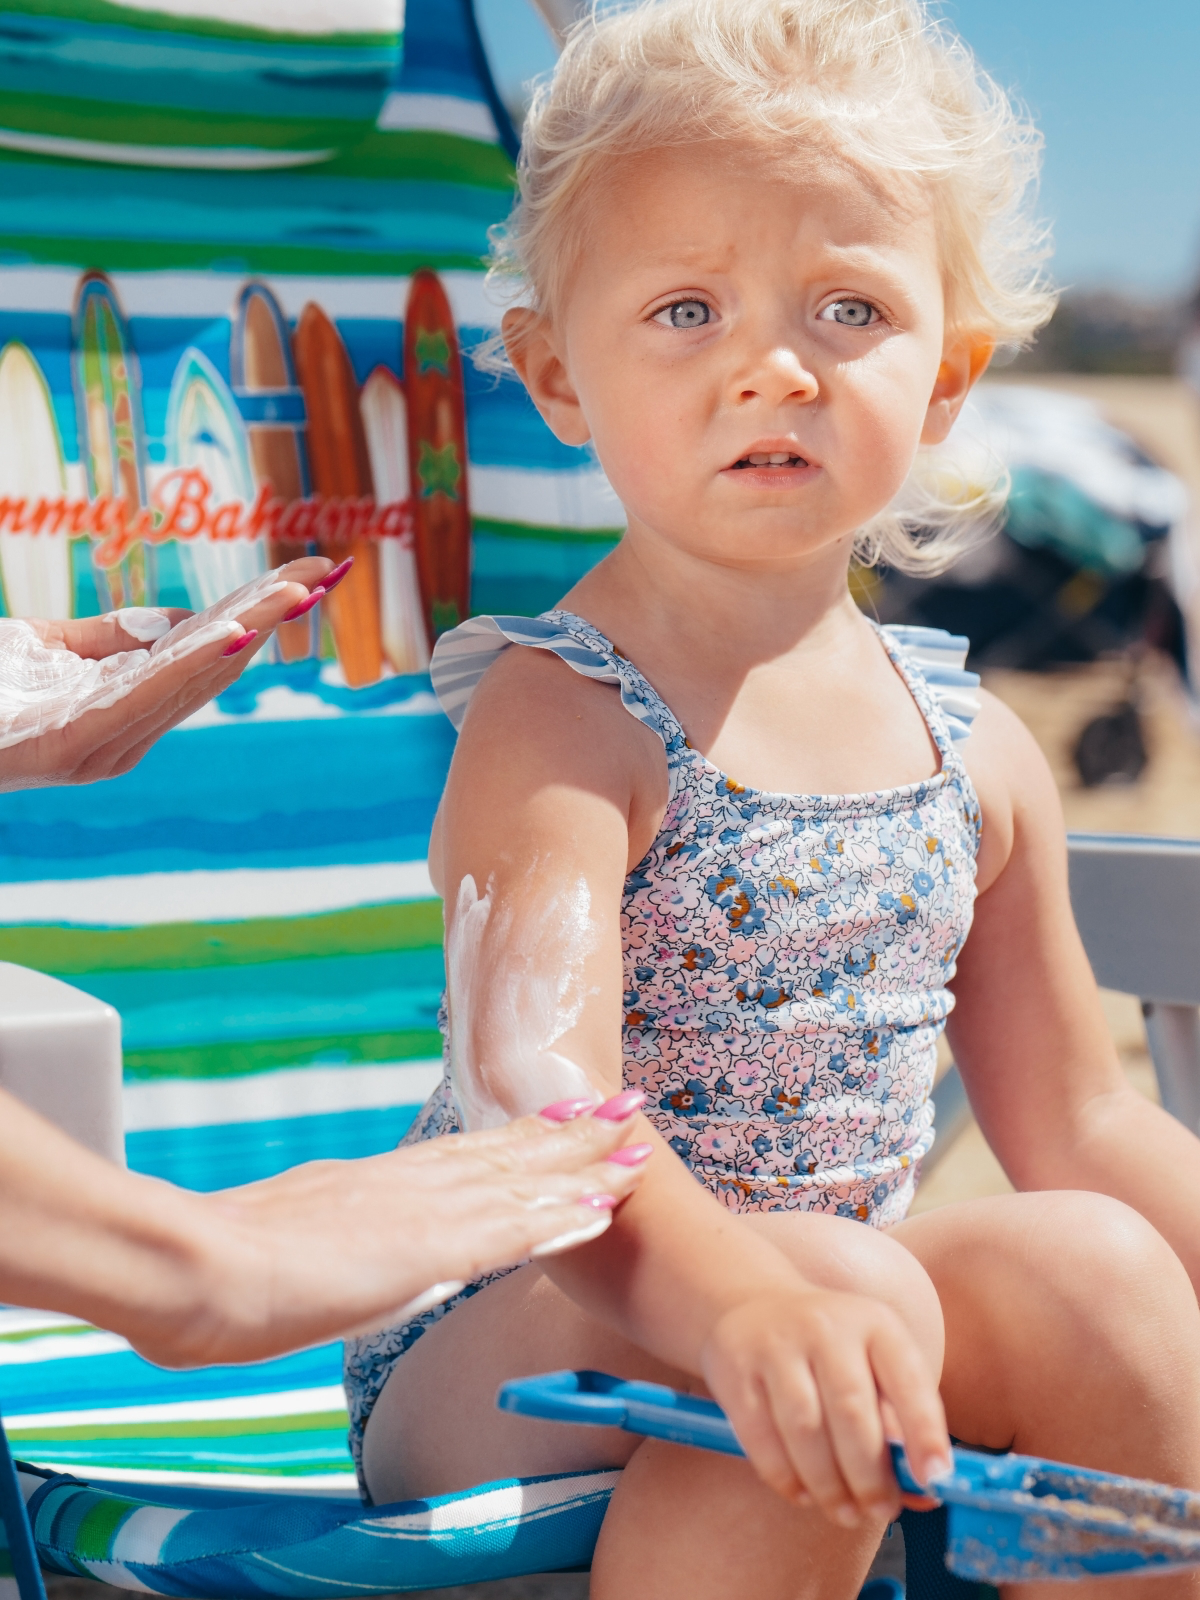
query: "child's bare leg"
682, 1522
1072, 1331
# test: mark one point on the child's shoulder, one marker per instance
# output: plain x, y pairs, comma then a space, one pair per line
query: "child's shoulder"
529, 689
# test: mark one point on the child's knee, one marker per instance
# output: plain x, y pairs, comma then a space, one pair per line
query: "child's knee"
1112, 1259
1095, 1271
843, 1255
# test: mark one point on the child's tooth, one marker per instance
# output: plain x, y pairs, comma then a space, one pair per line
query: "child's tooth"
777, 460
758, 460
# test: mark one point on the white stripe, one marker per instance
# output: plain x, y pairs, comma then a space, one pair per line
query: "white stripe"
438, 113
211, 294
582, 500
112, 1572
281, 703
60, 1348
142, 1536
228, 1408
228, 158
19, 1320
312, 17
240, 894
335, 1485
264, 1096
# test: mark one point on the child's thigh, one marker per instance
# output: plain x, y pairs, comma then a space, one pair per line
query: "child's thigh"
435, 1428
1071, 1329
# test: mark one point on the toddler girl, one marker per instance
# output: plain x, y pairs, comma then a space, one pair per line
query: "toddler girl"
712, 841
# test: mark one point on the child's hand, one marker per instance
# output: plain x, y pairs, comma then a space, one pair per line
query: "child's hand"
804, 1377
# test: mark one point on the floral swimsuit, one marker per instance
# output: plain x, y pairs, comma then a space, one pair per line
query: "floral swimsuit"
786, 958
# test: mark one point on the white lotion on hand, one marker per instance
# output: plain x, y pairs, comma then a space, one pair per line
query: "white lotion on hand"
519, 986
45, 686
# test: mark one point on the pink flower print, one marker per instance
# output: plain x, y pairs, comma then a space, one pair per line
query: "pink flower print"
676, 898
714, 1144
742, 949
748, 1074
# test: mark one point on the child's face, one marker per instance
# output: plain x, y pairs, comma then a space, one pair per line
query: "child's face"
720, 313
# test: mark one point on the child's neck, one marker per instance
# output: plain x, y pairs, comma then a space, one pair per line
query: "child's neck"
648, 590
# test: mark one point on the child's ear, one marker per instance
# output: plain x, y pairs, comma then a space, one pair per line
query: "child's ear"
963, 362
527, 338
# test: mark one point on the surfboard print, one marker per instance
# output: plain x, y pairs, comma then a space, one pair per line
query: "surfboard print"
340, 467
401, 615
263, 378
205, 430
35, 566
111, 436
437, 454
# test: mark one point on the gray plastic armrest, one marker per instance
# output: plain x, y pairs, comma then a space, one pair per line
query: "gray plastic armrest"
60, 1052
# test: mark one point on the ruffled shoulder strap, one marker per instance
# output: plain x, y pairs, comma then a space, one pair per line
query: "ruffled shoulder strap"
939, 657
462, 656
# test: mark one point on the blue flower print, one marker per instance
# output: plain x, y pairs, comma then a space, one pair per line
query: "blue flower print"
735, 897
683, 1149
690, 1101
761, 1145
922, 883
859, 962
783, 1107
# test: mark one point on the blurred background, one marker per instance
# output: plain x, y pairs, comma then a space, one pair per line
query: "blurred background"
1084, 610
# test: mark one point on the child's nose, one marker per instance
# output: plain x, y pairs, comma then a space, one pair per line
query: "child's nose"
779, 375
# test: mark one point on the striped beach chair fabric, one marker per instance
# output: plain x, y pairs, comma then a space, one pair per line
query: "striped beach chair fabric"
254, 898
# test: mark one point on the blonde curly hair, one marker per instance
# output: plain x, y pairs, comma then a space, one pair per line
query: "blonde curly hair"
881, 82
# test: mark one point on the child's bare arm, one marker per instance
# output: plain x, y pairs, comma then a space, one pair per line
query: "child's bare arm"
1028, 1031
555, 792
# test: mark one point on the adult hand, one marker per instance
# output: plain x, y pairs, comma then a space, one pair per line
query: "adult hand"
334, 1247
86, 699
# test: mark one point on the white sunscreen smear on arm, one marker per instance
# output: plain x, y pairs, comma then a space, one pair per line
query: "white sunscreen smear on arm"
45, 686
520, 987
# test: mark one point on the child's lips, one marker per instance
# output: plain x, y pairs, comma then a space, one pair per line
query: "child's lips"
771, 470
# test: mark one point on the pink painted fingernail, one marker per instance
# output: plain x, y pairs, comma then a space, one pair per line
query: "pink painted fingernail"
566, 1110
306, 604
601, 1202
632, 1155
240, 644
331, 579
621, 1106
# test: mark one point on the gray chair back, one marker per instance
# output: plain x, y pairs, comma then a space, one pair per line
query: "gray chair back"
1137, 906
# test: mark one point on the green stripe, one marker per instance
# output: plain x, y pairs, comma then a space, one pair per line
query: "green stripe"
150, 255
94, 1535
105, 14
46, 1333
423, 154
220, 1428
269, 1055
159, 125
531, 530
401, 156
171, 946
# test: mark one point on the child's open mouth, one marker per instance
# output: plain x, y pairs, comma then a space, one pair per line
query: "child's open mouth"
777, 458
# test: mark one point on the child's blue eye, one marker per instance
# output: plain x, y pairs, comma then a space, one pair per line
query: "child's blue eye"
685, 314
850, 313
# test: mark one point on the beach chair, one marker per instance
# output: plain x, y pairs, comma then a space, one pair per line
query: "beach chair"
1137, 906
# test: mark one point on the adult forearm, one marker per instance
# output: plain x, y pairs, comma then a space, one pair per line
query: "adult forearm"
82, 1236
